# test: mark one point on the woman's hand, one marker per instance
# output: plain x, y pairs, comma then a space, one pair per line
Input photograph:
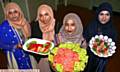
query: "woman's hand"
19, 46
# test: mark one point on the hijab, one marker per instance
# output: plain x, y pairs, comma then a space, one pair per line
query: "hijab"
75, 37
21, 23
97, 28
47, 29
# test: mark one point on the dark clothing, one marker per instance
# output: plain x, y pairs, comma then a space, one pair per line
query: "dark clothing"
37, 33
3, 60
95, 63
35, 30
104, 6
95, 28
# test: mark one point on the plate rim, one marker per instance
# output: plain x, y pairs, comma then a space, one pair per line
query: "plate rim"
100, 55
31, 39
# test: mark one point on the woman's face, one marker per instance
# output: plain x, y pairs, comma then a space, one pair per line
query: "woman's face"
70, 26
44, 16
104, 17
13, 15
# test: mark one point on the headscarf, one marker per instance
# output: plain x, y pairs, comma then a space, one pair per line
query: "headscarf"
47, 29
104, 6
107, 28
96, 28
75, 37
21, 23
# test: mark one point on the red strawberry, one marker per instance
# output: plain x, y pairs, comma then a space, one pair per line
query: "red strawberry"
105, 49
31, 46
47, 46
39, 47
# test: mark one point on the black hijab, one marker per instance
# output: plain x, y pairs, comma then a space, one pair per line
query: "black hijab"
96, 28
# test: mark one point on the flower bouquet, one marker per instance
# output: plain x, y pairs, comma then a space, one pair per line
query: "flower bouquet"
68, 57
102, 46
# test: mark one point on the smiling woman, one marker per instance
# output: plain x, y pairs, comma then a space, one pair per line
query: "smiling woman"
44, 16
43, 28
70, 26
14, 30
71, 31
13, 15
102, 25
104, 17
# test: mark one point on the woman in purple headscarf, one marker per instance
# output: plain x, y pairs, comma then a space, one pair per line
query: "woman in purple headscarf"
71, 31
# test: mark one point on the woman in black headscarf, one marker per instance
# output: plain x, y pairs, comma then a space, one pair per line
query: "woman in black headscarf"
101, 25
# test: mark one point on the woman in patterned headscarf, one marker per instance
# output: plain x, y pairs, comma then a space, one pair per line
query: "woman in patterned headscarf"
13, 32
71, 31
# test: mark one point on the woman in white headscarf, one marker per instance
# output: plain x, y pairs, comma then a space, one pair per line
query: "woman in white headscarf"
71, 31
14, 30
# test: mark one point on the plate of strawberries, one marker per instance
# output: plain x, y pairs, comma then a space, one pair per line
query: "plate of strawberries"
102, 46
38, 46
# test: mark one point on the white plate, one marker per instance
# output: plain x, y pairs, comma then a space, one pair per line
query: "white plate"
39, 41
110, 53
